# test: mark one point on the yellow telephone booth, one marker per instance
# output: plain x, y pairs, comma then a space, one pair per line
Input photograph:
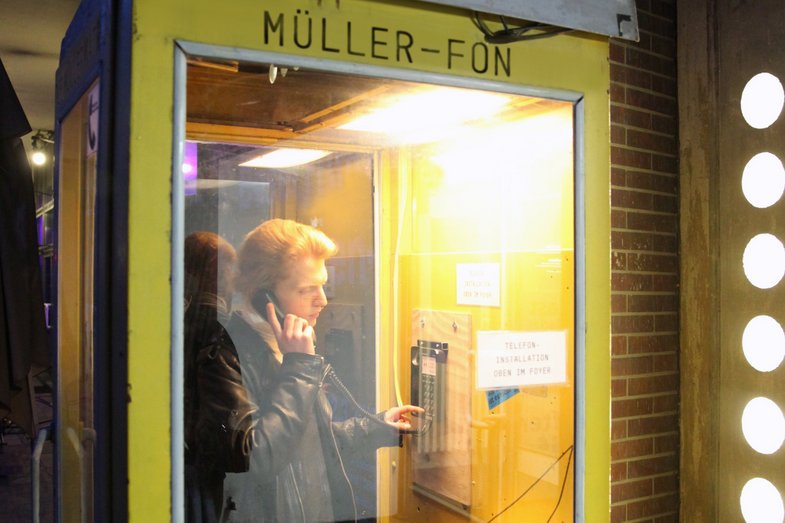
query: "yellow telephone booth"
458, 155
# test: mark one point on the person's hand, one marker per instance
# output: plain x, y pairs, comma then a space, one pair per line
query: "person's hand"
399, 417
295, 335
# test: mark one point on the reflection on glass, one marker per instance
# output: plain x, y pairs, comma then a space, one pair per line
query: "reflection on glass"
443, 108
76, 439
763, 180
763, 425
764, 261
763, 343
761, 502
282, 158
453, 213
762, 100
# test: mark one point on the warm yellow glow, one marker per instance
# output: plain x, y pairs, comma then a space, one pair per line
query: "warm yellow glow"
38, 158
762, 100
504, 150
282, 158
427, 115
761, 502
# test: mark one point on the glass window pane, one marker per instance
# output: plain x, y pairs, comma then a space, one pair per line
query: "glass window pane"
76, 221
425, 233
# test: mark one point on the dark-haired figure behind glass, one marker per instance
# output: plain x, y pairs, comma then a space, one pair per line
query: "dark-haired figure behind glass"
297, 471
218, 414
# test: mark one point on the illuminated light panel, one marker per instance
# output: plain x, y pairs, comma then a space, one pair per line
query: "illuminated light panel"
764, 261
763, 425
761, 502
282, 158
763, 181
763, 343
430, 112
762, 100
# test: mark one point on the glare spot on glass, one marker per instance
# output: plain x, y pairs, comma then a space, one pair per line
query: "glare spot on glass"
38, 158
763, 425
763, 343
763, 181
762, 100
285, 157
443, 108
761, 502
764, 261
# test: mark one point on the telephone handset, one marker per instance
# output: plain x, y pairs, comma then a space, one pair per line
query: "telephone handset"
260, 301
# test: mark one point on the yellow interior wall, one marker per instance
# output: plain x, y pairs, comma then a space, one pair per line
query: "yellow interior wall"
451, 224
569, 62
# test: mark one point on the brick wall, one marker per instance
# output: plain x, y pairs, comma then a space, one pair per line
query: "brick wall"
645, 270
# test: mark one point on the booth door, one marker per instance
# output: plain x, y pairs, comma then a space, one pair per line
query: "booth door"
76, 435
454, 285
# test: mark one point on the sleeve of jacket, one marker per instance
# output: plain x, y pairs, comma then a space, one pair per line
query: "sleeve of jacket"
225, 417
360, 434
284, 411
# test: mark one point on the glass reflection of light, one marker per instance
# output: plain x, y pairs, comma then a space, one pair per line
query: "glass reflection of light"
504, 150
761, 502
284, 157
763, 180
762, 100
763, 343
764, 261
38, 158
443, 109
189, 170
763, 425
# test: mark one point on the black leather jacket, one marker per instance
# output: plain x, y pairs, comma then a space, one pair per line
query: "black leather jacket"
219, 417
296, 470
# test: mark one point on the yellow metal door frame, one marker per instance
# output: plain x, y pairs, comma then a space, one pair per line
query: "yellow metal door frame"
571, 63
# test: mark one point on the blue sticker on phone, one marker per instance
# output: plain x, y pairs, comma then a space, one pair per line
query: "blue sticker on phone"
497, 397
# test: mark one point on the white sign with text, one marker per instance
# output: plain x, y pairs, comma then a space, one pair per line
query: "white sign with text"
478, 284
516, 359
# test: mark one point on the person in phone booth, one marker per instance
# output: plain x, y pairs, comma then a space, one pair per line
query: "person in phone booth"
217, 412
296, 469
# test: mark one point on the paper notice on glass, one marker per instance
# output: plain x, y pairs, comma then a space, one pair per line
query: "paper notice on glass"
514, 359
478, 284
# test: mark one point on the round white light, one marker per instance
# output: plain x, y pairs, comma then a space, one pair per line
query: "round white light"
761, 502
763, 343
763, 425
187, 168
38, 158
763, 181
764, 261
762, 100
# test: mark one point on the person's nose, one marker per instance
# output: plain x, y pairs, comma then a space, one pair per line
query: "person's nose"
321, 297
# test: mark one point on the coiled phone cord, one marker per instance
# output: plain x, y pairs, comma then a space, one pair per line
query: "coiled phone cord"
330, 374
